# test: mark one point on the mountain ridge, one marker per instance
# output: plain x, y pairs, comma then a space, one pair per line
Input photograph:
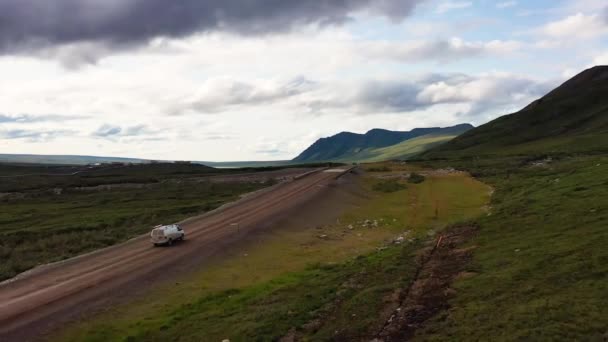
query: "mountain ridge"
346, 145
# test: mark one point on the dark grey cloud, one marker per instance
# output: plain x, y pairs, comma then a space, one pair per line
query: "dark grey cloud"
27, 118
32, 24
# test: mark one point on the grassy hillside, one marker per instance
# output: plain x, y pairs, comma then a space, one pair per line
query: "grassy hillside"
572, 118
540, 263
539, 268
401, 151
348, 146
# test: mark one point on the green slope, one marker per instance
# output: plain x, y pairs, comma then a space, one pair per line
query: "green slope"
347, 146
570, 119
539, 268
378, 144
401, 151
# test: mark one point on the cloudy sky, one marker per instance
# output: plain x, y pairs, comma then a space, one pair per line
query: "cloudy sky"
263, 79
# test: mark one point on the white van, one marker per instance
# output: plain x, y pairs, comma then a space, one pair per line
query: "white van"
166, 235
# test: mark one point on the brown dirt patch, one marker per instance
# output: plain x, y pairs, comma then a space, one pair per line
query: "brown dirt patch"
429, 294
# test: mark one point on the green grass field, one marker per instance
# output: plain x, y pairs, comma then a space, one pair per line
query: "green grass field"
38, 219
541, 262
292, 277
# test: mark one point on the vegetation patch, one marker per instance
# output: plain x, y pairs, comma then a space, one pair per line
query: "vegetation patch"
382, 168
416, 178
541, 263
295, 282
43, 225
388, 186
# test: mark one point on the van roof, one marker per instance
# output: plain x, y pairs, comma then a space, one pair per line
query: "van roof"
165, 226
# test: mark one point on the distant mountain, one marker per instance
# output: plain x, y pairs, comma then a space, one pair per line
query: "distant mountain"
572, 118
374, 145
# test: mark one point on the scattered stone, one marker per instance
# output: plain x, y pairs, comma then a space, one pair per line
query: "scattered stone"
542, 162
517, 250
350, 226
323, 236
225, 340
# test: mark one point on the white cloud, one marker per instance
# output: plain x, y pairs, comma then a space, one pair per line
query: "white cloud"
576, 26
601, 59
220, 94
447, 6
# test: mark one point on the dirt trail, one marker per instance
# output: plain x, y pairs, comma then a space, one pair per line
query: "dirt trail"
430, 292
43, 299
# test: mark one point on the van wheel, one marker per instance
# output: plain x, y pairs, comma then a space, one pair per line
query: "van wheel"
181, 238
170, 242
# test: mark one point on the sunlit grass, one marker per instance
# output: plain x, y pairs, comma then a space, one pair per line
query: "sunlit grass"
310, 262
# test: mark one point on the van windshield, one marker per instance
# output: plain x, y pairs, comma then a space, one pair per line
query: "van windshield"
158, 232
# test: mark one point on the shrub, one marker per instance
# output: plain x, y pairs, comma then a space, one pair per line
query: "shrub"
389, 186
379, 169
416, 178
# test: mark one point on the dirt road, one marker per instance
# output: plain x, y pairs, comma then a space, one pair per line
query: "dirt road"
46, 297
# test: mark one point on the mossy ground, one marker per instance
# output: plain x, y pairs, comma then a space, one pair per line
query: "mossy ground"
541, 262
294, 277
